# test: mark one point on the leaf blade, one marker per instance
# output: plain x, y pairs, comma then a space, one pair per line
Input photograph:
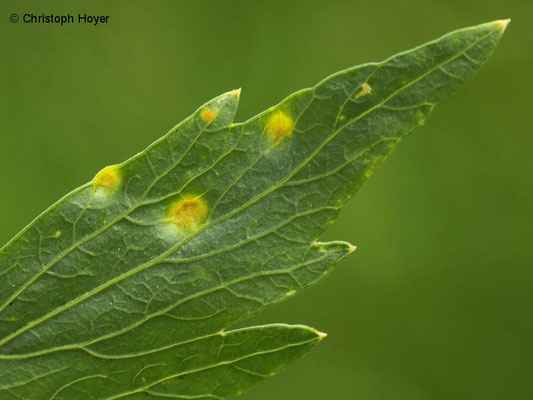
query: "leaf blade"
215, 364
176, 243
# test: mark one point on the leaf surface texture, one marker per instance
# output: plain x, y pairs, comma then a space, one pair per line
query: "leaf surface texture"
129, 285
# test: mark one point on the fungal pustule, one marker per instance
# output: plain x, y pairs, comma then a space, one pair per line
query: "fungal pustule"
365, 89
188, 213
208, 115
421, 119
107, 180
279, 126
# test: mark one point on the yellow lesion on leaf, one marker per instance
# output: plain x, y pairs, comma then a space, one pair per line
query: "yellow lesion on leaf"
57, 235
502, 23
188, 212
108, 178
365, 89
279, 126
208, 115
421, 119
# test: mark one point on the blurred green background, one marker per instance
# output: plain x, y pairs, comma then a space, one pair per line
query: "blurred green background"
437, 301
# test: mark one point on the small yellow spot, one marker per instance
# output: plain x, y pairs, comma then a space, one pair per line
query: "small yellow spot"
107, 178
365, 89
421, 118
236, 92
321, 335
208, 115
279, 126
502, 23
290, 293
188, 213
57, 234
351, 249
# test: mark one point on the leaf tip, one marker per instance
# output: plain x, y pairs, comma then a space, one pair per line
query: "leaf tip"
502, 23
351, 248
236, 92
321, 335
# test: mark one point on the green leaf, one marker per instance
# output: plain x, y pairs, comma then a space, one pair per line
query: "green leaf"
126, 287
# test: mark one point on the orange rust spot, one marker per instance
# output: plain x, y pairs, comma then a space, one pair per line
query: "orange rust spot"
188, 213
107, 178
208, 115
279, 126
